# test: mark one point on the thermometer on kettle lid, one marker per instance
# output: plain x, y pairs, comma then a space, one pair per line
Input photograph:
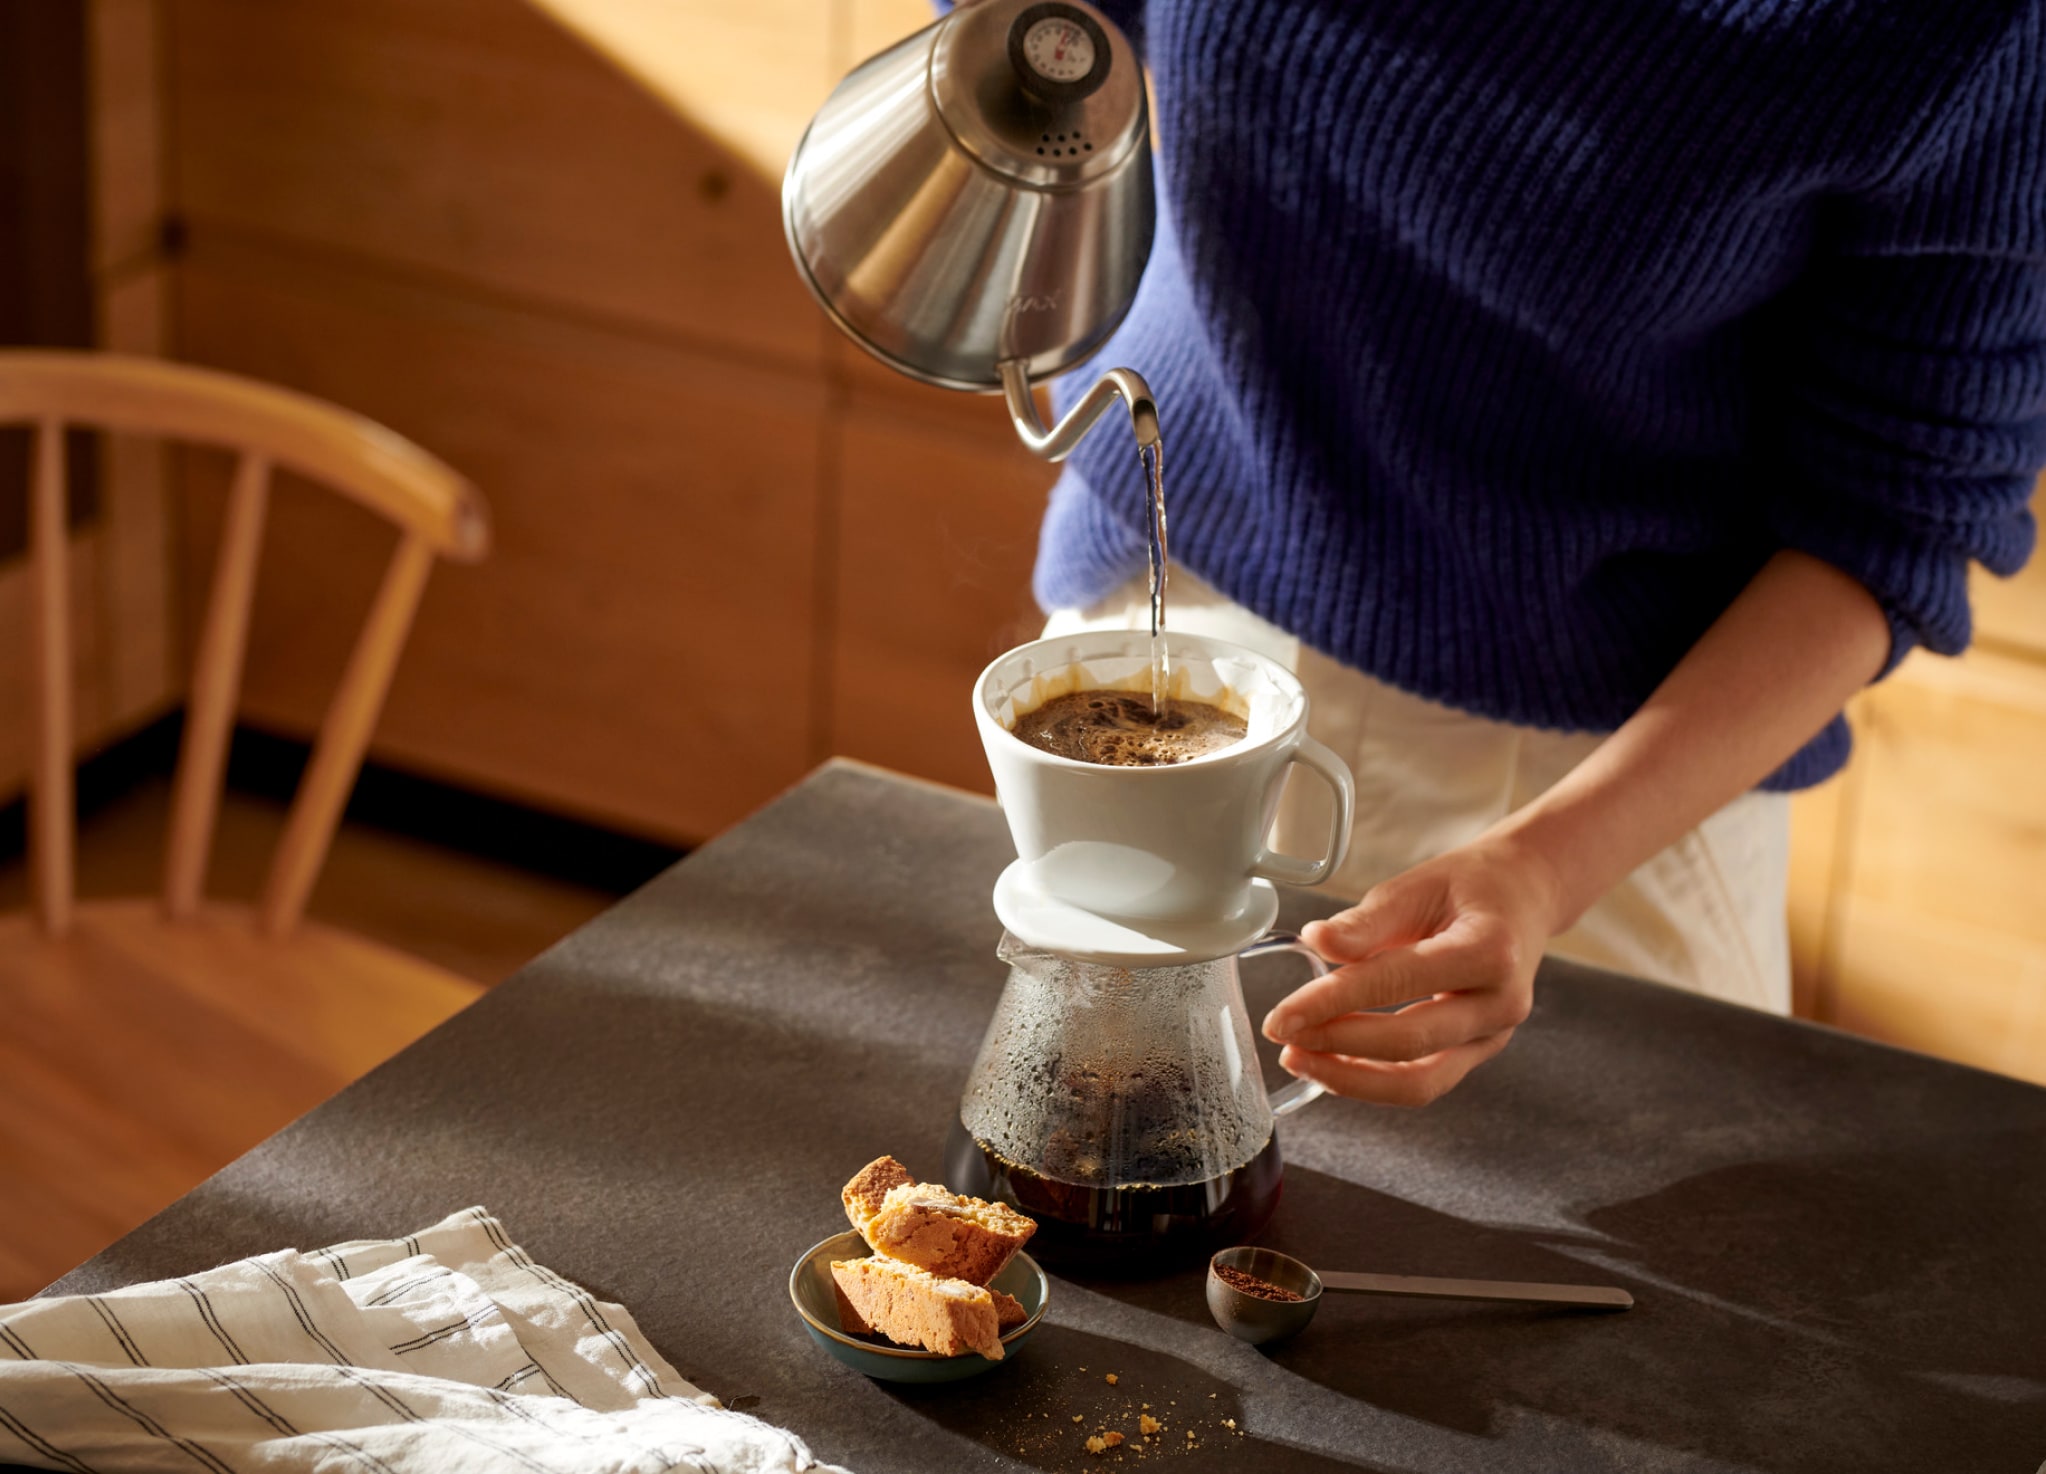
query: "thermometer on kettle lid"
1060, 53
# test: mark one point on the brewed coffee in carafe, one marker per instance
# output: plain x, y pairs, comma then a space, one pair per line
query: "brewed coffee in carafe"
1123, 1109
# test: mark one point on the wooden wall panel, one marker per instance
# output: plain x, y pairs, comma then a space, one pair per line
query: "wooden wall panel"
125, 40
1929, 927
749, 75
872, 26
1965, 993
638, 647
479, 141
1952, 822
144, 673
937, 532
122, 631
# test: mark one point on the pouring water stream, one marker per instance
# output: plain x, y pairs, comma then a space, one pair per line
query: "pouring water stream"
1153, 458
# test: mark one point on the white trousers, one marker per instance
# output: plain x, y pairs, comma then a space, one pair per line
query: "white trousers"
1706, 914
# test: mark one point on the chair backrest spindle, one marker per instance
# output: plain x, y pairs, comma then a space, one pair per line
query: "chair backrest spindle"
344, 737
52, 816
216, 679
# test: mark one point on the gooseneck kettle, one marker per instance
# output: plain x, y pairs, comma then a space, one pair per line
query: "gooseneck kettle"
974, 206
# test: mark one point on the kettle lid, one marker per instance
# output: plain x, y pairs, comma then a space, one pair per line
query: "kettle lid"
1044, 92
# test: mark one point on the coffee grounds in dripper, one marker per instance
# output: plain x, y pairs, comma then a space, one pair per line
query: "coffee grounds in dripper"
1119, 729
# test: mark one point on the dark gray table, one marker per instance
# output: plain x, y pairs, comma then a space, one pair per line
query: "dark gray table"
1837, 1247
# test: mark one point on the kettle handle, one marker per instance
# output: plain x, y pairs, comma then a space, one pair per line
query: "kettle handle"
1289, 1098
1061, 439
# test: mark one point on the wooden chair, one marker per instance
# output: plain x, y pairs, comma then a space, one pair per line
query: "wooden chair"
168, 1035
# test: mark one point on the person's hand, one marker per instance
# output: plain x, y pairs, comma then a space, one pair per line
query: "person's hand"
1456, 939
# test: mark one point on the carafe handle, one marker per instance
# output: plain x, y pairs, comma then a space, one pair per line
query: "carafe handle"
1289, 1098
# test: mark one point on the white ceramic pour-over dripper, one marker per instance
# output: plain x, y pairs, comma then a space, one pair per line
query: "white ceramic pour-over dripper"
1150, 867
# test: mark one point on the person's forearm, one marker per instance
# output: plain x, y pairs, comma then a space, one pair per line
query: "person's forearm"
1772, 671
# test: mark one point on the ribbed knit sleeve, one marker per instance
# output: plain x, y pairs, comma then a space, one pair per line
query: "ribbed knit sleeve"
1911, 365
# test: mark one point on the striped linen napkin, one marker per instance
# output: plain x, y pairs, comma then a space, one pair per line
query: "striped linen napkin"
449, 1350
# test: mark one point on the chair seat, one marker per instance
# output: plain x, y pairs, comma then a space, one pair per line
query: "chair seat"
138, 1055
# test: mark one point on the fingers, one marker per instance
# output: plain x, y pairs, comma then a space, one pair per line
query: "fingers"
1466, 957
1447, 940
1420, 1029
1411, 1083
1389, 915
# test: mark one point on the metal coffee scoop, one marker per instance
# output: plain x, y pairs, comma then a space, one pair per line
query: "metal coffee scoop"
1257, 1320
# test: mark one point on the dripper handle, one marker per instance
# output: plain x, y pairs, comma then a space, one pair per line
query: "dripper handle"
1061, 439
1292, 869
1289, 1098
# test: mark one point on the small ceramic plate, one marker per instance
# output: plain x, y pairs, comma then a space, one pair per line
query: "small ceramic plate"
811, 1290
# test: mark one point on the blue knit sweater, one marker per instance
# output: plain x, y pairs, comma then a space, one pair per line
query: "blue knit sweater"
1498, 343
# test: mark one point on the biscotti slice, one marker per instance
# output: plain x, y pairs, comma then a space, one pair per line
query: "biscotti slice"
953, 1237
854, 1324
869, 1186
1009, 1311
912, 1308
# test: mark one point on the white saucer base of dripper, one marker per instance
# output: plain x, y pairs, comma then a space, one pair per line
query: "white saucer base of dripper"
1045, 922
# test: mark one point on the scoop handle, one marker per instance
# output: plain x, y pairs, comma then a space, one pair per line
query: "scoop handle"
1596, 1297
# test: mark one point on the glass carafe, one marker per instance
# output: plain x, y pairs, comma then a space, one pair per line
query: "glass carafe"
1124, 1109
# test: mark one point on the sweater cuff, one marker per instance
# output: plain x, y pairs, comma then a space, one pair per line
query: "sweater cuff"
1905, 630
1903, 638
1919, 582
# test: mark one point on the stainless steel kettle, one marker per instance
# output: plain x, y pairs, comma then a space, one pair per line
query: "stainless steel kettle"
974, 206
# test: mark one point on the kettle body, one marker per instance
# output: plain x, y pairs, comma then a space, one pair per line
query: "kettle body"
974, 206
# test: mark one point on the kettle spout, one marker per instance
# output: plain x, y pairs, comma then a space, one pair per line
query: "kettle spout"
1060, 440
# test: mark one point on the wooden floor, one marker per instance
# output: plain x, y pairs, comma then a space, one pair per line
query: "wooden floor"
82, 1157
